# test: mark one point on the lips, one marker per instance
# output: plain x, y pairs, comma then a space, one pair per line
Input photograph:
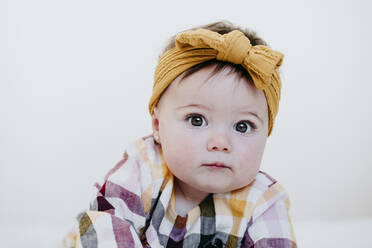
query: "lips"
217, 165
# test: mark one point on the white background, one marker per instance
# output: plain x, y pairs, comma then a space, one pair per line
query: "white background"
76, 77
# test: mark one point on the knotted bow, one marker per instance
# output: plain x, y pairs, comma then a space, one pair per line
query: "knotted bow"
260, 61
197, 46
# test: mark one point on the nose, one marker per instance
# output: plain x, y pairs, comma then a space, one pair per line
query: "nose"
219, 142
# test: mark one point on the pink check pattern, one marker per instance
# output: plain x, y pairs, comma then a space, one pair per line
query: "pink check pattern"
134, 207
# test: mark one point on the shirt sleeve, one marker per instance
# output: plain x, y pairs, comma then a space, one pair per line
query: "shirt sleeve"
270, 225
116, 213
100, 229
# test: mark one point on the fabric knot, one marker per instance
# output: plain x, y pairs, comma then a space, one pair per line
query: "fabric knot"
234, 48
262, 63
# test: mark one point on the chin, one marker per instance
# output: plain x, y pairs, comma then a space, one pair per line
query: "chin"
216, 189
227, 188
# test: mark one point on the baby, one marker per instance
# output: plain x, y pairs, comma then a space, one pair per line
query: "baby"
196, 181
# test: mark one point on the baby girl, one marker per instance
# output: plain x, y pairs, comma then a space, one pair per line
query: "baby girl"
196, 181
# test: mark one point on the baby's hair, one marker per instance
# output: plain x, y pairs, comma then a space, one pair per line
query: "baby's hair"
221, 27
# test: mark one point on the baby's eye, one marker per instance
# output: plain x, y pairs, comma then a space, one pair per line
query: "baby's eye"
244, 126
196, 120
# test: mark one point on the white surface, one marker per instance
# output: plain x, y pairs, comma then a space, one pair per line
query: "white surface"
76, 75
310, 234
347, 233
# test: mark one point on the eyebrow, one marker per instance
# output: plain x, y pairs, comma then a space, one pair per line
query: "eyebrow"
254, 114
194, 105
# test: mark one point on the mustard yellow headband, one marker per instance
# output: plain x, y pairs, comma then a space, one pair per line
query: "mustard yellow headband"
197, 46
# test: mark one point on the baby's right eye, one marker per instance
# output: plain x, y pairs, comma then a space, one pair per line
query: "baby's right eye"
196, 120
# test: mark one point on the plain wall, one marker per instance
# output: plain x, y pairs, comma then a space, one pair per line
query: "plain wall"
76, 77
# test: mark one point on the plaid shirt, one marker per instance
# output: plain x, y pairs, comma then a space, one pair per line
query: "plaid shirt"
135, 207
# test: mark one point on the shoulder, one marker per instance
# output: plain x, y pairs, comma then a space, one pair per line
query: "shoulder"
268, 192
139, 155
131, 181
261, 185
267, 187
144, 148
133, 171
261, 194
263, 181
146, 151
270, 223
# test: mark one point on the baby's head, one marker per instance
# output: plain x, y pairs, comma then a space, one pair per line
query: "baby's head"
213, 106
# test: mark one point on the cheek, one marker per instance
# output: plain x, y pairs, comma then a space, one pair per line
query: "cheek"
179, 150
179, 160
250, 159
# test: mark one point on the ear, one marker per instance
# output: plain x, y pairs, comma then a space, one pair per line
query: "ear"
155, 124
155, 120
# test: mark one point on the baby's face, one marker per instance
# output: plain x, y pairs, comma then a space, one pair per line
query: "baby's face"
212, 130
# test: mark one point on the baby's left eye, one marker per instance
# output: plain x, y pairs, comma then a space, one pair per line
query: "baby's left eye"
244, 126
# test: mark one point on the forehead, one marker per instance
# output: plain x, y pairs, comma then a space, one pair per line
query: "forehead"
223, 88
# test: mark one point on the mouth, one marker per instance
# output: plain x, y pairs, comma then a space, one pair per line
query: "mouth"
217, 166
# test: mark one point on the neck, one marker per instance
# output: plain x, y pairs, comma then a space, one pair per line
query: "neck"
187, 197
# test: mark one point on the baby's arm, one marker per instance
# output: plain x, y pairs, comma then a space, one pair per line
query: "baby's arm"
116, 213
270, 225
101, 229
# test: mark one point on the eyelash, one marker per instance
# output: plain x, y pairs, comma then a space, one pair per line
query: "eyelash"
249, 123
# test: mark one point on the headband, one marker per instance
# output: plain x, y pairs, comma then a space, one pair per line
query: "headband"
197, 46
